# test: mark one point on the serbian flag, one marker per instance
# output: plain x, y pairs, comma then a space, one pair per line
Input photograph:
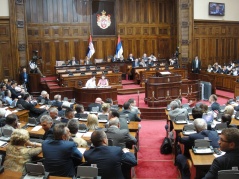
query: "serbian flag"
91, 49
119, 48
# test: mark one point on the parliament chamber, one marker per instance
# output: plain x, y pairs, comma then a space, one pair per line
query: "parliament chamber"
174, 32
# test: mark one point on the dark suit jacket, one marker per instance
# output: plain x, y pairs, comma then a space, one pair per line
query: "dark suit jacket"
49, 134
132, 116
94, 105
39, 98
34, 112
14, 93
194, 64
59, 156
215, 106
120, 136
22, 78
76, 62
225, 162
57, 104
189, 141
109, 160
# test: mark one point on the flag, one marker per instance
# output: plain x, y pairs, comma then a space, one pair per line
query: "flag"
119, 48
91, 49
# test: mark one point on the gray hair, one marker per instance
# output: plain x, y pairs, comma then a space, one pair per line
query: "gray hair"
174, 105
57, 97
43, 93
73, 126
200, 124
53, 110
114, 121
46, 118
2, 112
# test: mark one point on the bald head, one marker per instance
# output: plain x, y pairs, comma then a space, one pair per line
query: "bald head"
98, 100
99, 138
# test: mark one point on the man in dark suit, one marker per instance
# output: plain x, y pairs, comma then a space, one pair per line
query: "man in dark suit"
57, 102
109, 159
196, 65
24, 77
131, 57
229, 143
26, 103
98, 102
43, 97
73, 62
14, 93
69, 114
131, 115
122, 121
119, 136
215, 106
47, 125
61, 155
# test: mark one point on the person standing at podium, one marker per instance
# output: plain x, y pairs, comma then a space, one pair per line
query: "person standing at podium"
103, 81
196, 65
91, 83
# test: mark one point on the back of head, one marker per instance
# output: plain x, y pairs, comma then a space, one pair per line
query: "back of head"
200, 124
2, 112
19, 137
79, 108
179, 102
114, 113
69, 113
105, 107
109, 100
59, 131
114, 121
126, 105
197, 112
97, 138
11, 119
226, 118
213, 97
46, 118
92, 122
131, 100
174, 105
204, 107
229, 109
232, 135
43, 93
26, 95
73, 126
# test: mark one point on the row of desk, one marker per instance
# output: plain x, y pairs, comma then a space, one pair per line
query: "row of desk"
200, 162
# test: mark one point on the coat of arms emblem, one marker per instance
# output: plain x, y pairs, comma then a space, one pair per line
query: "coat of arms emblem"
103, 21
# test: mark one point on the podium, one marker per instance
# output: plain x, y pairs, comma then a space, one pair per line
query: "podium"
34, 83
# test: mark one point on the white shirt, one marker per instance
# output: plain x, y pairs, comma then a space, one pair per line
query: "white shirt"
90, 83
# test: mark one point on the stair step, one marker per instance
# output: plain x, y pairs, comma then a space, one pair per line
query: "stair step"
130, 91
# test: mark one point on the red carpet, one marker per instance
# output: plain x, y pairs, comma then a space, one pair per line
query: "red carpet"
152, 164
225, 93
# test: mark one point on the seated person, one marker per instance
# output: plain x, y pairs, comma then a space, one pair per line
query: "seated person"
11, 123
122, 121
229, 143
8, 100
92, 122
44, 96
127, 111
133, 106
209, 68
91, 83
79, 108
197, 112
227, 118
57, 102
53, 112
109, 159
103, 81
229, 109
61, 156
73, 62
73, 126
69, 114
135, 63
214, 104
105, 108
98, 103
20, 151
119, 136
25, 102
47, 125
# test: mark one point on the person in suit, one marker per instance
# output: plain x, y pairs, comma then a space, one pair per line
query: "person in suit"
14, 93
87, 61
131, 115
24, 77
69, 114
91, 83
109, 159
229, 143
79, 110
61, 155
119, 136
26, 104
73, 62
122, 121
57, 102
196, 65
202, 132
135, 63
133, 106
11, 123
53, 113
43, 97
131, 57
98, 103
214, 104
47, 125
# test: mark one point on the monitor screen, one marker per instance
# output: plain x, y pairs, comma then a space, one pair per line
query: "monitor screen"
208, 117
216, 9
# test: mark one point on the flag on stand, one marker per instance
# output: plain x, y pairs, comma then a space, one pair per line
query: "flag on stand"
119, 48
91, 49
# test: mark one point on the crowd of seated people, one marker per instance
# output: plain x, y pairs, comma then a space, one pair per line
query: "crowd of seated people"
227, 69
207, 129
60, 141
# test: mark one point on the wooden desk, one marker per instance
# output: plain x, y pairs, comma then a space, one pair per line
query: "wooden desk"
85, 96
7, 174
22, 115
201, 162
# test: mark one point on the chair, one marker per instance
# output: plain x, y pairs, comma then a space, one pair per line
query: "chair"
186, 106
228, 174
35, 170
86, 171
220, 127
110, 142
114, 107
32, 122
103, 117
181, 119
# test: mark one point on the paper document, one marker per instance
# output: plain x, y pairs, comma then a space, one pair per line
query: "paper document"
82, 150
36, 128
87, 134
2, 143
203, 151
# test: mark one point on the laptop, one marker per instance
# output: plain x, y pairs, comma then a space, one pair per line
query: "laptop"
189, 129
35, 171
103, 118
208, 117
189, 111
181, 119
220, 127
6, 135
32, 122
86, 172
